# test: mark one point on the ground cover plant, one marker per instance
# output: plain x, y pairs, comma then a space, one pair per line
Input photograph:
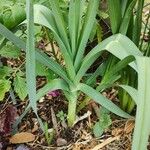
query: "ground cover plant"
72, 35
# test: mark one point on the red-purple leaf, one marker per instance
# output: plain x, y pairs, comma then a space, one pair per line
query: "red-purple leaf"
7, 118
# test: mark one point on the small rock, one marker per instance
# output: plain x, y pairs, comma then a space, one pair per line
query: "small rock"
61, 142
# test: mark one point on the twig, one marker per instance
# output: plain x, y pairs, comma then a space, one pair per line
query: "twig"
54, 121
106, 142
86, 115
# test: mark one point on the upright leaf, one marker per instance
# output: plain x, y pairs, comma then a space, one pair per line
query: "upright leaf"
30, 57
114, 14
138, 23
127, 17
142, 128
100, 99
86, 30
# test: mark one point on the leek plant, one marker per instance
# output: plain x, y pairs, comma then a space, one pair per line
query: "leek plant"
72, 43
122, 21
141, 98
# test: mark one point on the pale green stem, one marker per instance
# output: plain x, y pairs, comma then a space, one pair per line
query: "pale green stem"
72, 100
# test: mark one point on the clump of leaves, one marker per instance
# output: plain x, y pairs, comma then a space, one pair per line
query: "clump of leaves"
9, 15
103, 123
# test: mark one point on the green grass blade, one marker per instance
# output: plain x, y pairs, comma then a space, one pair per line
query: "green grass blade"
142, 123
100, 99
118, 67
138, 23
114, 14
41, 57
131, 91
127, 17
124, 6
86, 30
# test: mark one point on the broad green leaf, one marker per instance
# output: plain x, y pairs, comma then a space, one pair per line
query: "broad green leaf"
20, 86
142, 128
100, 99
10, 51
4, 87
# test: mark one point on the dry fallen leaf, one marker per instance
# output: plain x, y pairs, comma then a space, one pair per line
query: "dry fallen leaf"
129, 126
116, 131
23, 137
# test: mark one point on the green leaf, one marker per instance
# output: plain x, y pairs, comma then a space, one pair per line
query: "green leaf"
4, 87
5, 71
131, 91
103, 123
10, 51
127, 18
86, 30
142, 128
138, 23
60, 23
44, 17
30, 57
41, 70
12, 15
100, 99
114, 14
20, 86
118, 45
